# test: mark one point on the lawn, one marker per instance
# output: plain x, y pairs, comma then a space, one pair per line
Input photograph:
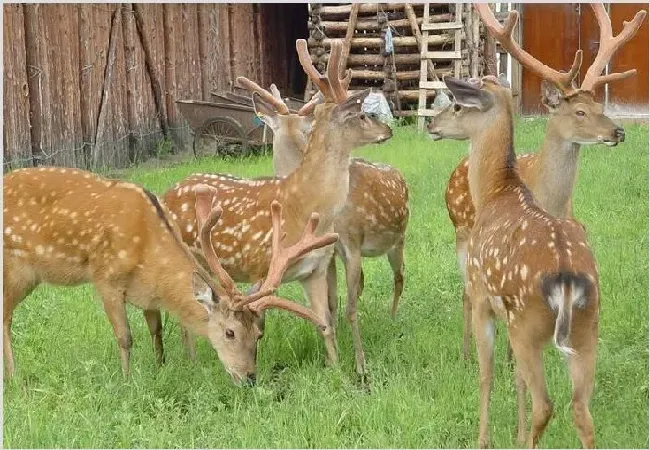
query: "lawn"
69, 390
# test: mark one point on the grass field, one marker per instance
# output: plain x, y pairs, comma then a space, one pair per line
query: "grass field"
69, 390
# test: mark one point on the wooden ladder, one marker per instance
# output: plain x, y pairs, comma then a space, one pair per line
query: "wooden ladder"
427, 58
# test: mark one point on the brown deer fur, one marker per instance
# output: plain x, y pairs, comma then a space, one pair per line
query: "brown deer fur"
372, 222
576, 119
525, 266
320, 184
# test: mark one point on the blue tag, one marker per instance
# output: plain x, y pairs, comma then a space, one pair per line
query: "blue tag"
257, 121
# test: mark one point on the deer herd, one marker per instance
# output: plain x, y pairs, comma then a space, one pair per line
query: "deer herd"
523, 257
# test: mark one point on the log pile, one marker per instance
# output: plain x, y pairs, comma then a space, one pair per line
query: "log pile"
363, 27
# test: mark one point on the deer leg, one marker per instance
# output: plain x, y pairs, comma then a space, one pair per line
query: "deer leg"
461, 253
527, 351
115, 308
483, 324
396, 259
17, 284
352, 270
582, 367
154, 322
332, 289
520, 385
189, 343
315, 287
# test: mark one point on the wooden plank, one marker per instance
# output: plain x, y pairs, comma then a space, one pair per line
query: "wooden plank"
214, 33
141, 108
441, 26
149, 22
363, 8
424, 63
94, 34
244, 57
17, 140
111, 142
426, 113
53, 62
432, 85
442, 55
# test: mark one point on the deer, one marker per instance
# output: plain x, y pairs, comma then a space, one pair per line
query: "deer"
375, 216
575, 119
68, 227
525, 266
320, 184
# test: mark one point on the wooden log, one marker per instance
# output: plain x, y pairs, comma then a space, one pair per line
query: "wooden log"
363, 8
402, 76
365, 24
399, 41
368, 59
352, 23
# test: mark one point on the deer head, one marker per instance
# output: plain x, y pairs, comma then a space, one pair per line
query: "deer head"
342, 112
233, 327
575, 116
290, 129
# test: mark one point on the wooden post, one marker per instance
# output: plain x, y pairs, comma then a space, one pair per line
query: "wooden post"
316, 36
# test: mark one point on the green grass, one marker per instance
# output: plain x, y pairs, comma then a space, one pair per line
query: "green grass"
69, 391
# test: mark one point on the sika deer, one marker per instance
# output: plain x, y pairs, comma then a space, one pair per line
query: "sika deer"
320, 184
68, 226
374, 219
525, 266
575, 119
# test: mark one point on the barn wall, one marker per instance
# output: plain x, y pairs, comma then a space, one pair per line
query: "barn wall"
94, 85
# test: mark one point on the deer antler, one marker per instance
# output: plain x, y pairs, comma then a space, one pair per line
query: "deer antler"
282, 258
277, 102
608, 46
503, 34
308, 107
333, 88
207, 218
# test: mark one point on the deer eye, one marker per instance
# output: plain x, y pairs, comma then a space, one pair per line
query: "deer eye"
580, 113
362, 116
230, 334
457, 107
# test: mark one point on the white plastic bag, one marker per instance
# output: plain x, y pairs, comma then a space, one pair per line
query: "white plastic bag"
376, 103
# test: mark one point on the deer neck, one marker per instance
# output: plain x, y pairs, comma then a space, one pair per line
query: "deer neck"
492, 159
555, 170
320, 184
287, 153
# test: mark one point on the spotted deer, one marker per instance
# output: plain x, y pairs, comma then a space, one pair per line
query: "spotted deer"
372, 222
68, 227
576, 118
320, 184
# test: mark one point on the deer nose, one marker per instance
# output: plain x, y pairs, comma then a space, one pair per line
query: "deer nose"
251, 378
619, 133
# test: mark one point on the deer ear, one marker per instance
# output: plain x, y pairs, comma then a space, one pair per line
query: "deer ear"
551, 96
265, 112
469, 94
203, 293
351, 107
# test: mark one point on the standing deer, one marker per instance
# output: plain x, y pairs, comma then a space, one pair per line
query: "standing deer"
524, 265
68, 226
372, 222
320, 184
575, 119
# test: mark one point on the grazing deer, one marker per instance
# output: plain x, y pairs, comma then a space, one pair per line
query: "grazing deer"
68, 226
372, 222
575, 119
319, 184
525, 266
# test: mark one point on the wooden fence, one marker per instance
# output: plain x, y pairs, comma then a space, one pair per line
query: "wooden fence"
94, 85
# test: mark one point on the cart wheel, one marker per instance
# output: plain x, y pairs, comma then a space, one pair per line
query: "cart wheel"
221, 136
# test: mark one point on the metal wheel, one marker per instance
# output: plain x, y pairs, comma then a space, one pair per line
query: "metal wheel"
221, 136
